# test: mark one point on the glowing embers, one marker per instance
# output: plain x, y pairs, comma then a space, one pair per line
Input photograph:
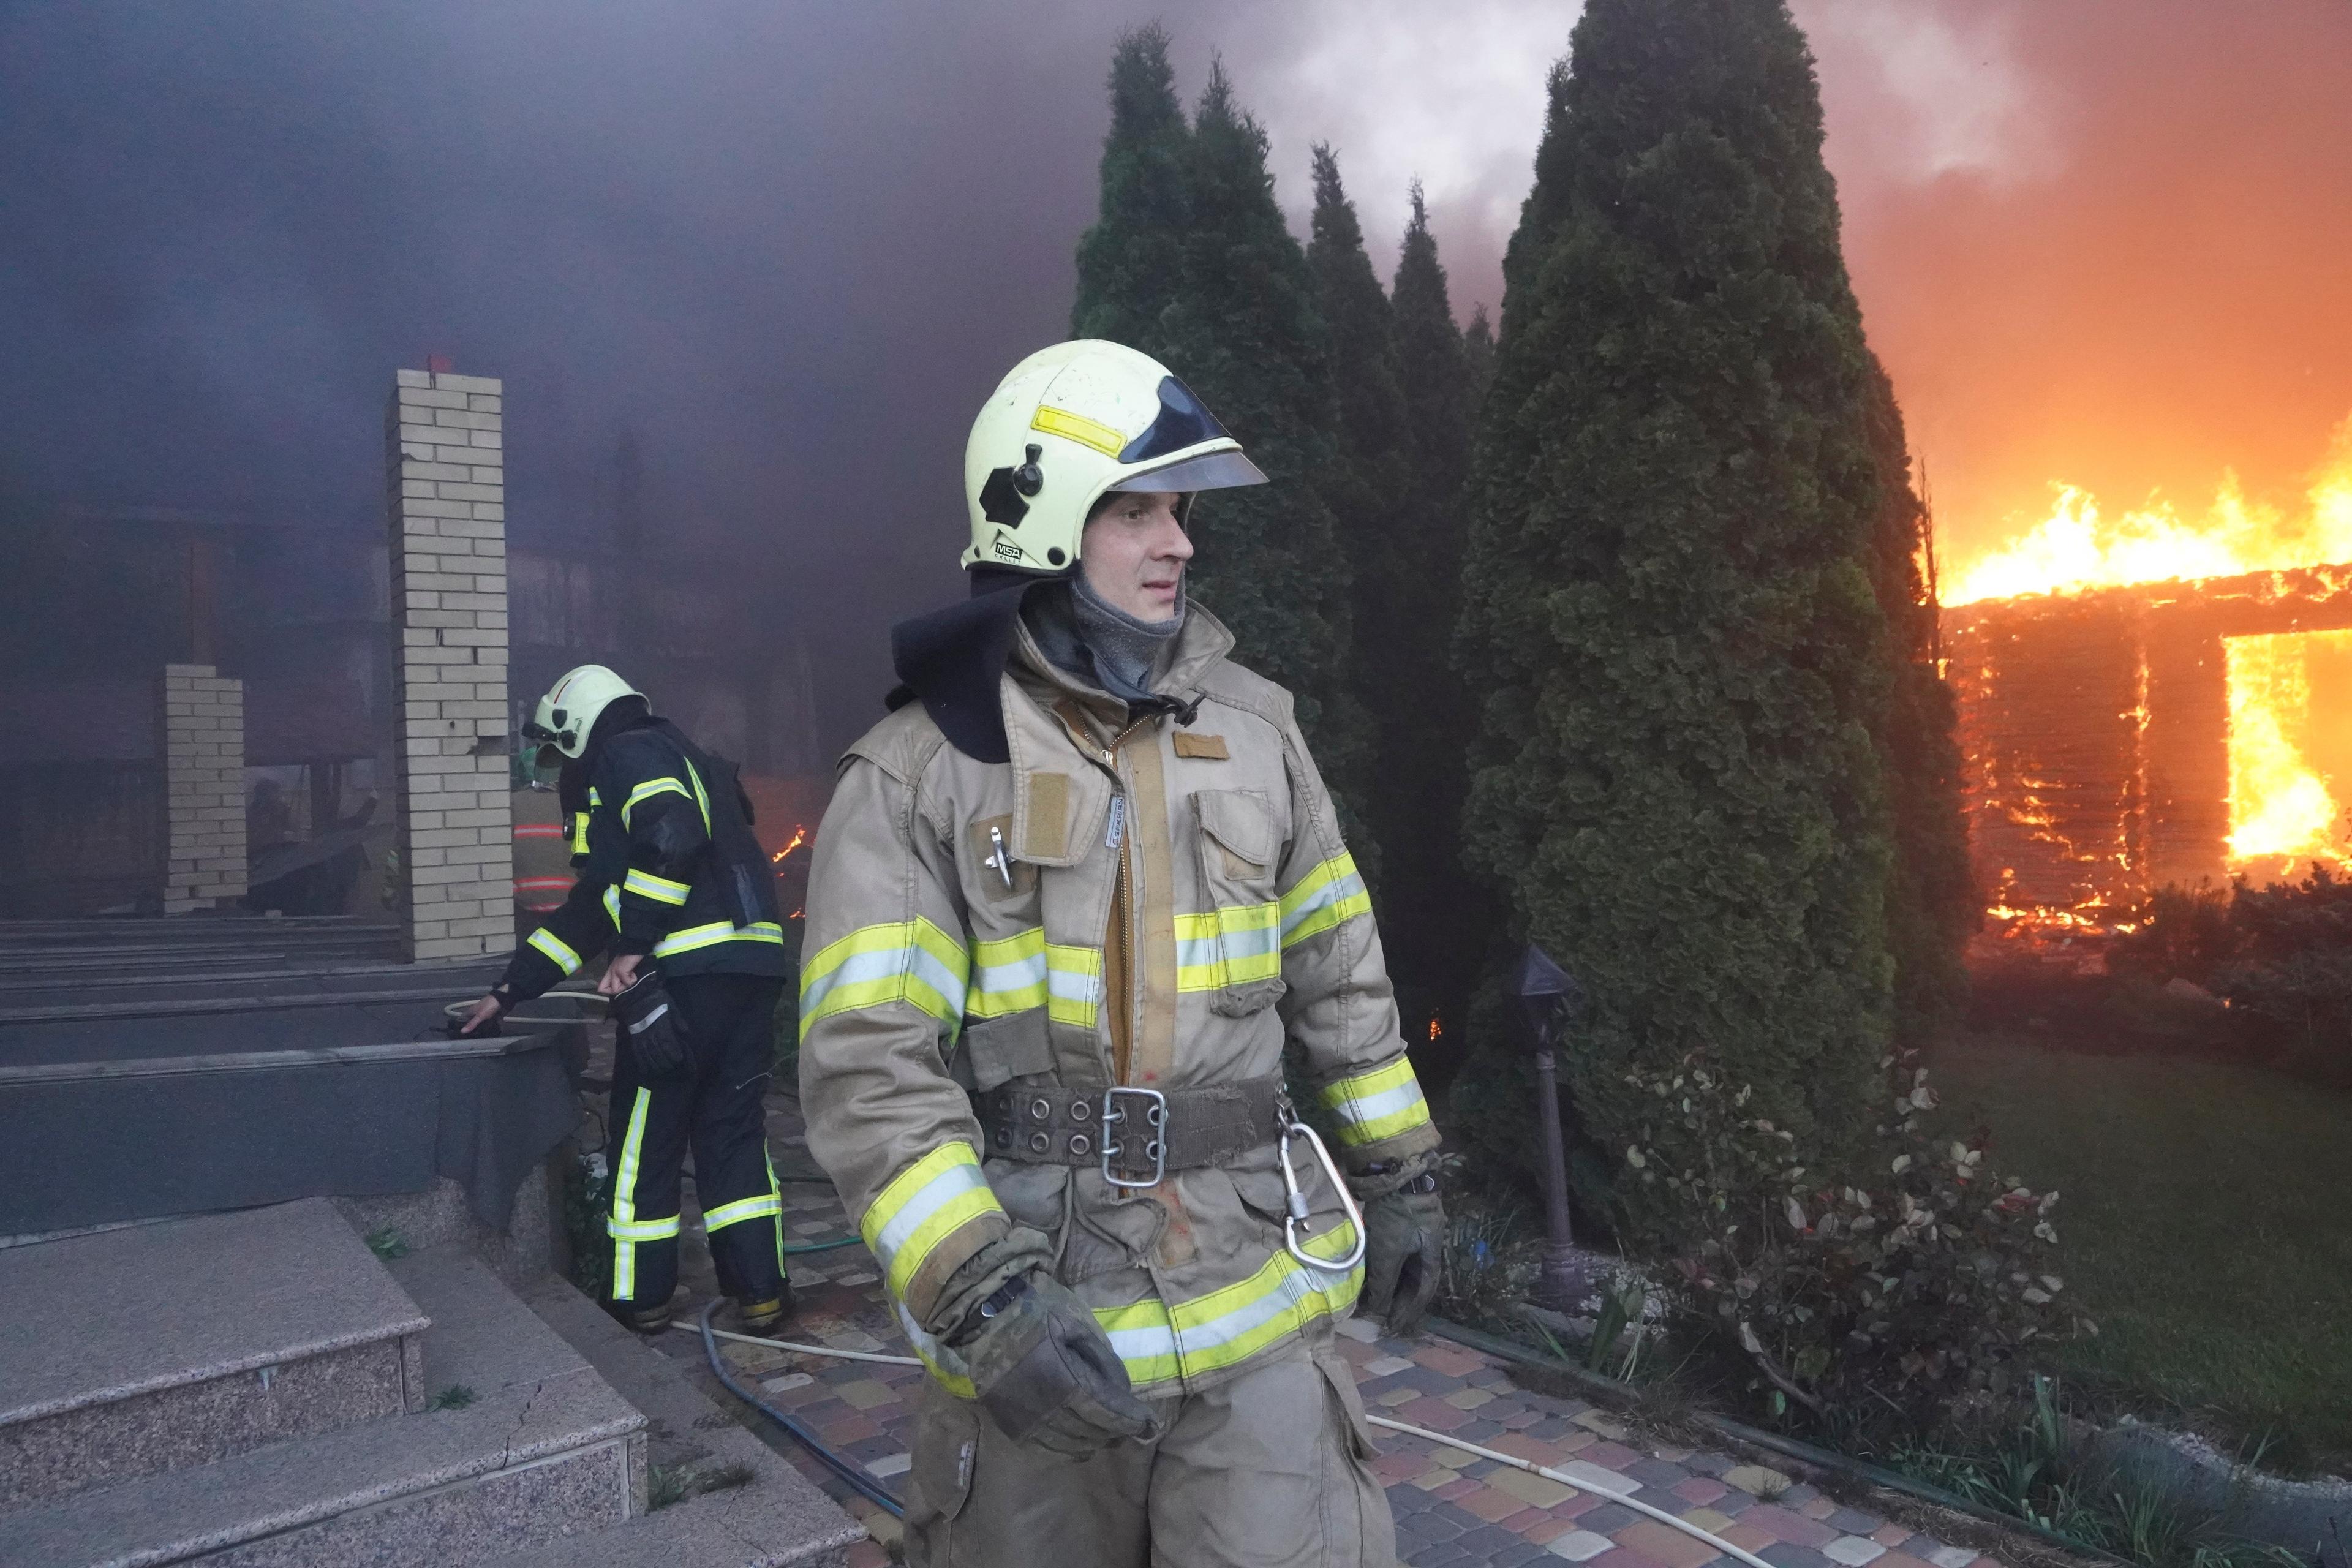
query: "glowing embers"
2290, 751
2077, 547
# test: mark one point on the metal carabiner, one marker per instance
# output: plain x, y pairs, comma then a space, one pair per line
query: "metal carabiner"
1294, 1213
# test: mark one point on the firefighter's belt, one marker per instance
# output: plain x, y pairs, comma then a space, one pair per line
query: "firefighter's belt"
1147, 1133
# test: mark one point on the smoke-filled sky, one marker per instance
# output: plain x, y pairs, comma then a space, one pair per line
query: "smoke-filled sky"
791, 245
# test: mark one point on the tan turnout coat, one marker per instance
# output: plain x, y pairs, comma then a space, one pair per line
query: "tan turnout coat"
1154, 904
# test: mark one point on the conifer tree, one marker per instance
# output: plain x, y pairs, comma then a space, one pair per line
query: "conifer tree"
1242, 331
1478, 347
1436, 917
1669, 607
1932, 903
1130, 263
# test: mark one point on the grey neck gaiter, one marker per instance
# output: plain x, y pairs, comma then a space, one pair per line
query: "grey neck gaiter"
1093, 639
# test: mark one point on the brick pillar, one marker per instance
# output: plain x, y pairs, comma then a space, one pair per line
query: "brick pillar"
447, 506
203, 787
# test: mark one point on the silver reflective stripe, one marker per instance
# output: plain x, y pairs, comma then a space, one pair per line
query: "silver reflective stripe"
1323, 896
1144, 1344
1388, 1102
1295, 1288
1083, 987
649, 1020
882, 963
1016, 976
936, 1193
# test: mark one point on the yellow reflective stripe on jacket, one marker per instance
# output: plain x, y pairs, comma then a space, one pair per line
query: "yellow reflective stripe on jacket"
580, 833
555, 948
944, 1363
725, 1215
660, 889
612, 904
1015, 973
694, 937
1232, 945
647, 790
924, 1204
1332, 892
1376, 1104
913, 962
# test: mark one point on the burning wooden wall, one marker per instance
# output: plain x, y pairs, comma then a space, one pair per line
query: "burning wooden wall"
2097, 731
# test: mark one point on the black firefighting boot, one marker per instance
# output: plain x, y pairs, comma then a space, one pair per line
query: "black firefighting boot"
765, 1316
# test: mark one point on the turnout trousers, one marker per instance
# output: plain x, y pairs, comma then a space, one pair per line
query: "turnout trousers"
714, 1107
1269, 1470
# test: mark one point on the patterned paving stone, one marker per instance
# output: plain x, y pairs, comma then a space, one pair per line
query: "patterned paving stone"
1451, 1507
1581, 1545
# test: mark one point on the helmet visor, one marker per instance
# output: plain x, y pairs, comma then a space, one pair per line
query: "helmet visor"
1210, 471
1183, 421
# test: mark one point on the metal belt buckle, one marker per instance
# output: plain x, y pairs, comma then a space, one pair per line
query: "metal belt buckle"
1155, 1147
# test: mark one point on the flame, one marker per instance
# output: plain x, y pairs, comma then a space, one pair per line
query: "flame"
2280, 804
800, 836
1434, 1031
2078, 547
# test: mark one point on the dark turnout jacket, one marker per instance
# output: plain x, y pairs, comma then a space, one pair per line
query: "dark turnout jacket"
667, 867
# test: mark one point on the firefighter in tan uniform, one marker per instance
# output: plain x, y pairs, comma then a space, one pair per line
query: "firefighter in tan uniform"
1069, 901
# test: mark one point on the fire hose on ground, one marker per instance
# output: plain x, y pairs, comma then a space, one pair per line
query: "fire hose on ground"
855, 1476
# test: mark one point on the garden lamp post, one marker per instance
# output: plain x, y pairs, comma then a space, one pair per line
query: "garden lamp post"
1550, 1002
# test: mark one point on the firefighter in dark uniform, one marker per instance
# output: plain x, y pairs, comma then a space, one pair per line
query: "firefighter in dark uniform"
672, 881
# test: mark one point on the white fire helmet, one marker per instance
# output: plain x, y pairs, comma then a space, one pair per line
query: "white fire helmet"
1068, 426
570, 709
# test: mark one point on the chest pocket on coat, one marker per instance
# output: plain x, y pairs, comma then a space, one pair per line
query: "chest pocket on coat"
1234, 947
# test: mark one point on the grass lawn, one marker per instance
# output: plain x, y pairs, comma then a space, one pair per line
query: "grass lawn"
2205, 1216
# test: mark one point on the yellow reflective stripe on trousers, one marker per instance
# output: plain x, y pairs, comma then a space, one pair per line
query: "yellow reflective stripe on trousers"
1332, 892
1376, 1104
1232, 945
924, 1204
913, 962
1015, 973
741, 1210
660, 889
624, 1226
647, 790
1227, 1327
555, 948
693, 937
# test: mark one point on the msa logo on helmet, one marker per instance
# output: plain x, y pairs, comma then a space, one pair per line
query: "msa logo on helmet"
1006, 549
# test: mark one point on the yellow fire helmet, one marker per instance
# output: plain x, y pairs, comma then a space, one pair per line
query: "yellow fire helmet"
1070, 424
569, 711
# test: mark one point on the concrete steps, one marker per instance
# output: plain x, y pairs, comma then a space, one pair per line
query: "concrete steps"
258, 1390
149, 1349
775, 1518
531, 1446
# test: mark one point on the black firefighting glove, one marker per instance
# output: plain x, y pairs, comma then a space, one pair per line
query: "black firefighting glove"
650, 1026
1045, 1372
1404, 1252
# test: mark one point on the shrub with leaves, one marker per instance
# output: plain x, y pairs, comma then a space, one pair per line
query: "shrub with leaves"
1923, 1285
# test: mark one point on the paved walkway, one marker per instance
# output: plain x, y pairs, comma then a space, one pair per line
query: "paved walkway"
1451, 1507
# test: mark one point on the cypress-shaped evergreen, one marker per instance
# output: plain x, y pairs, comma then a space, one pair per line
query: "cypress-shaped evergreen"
1478, 347
1130, 262
1669, 607
1204, 275
1437, 917
1932, 901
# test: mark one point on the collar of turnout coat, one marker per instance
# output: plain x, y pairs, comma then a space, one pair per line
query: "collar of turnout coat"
954, 661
